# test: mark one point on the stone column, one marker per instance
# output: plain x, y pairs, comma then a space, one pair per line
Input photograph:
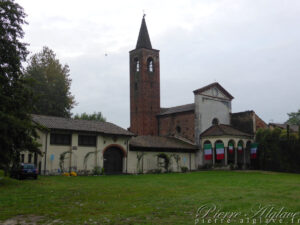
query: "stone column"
244, 158
235, 156
226, 155
214, 157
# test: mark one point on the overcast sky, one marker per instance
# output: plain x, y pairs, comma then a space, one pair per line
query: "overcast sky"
251, 47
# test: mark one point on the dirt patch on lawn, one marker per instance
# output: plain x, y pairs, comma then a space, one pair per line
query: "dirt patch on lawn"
23, 220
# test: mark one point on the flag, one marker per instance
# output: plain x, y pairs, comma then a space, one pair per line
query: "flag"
220, 151
207, 152
240, 148
253, 150
230, 149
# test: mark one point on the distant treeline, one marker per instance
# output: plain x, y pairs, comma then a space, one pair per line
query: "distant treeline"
278, 150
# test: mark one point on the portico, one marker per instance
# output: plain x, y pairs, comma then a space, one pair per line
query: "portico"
227, 145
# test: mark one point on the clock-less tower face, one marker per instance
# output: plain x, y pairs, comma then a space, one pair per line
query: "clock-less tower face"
144, 86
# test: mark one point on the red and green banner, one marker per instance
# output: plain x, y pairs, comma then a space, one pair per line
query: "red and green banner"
220, 151
253, 151
240, 148
230, 148
207, 152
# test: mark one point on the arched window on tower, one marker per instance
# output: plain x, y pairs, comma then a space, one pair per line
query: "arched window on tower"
137, 65
150, 65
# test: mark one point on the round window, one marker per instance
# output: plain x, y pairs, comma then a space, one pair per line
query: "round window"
215, 121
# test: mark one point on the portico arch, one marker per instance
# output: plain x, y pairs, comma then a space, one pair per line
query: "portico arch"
247, 153
117, 146
208, 152
240, 153
219, 158
113, 159
231, 151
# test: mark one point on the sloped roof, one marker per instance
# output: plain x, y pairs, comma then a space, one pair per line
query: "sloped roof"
177, 109
159, 142
294, 128
222, 130
143, 39
61, 123
243, 112
216, 84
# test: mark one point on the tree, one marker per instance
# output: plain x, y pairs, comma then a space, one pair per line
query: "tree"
51, 84
294, 118
95, 116
276, 151
18, 133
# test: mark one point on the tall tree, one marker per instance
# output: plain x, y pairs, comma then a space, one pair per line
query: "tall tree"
51, 84
97, 116
294, 118
17, 131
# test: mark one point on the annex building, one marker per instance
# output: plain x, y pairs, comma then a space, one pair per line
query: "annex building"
202, 134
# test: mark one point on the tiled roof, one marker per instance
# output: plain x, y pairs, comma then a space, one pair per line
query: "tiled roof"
294, 128
159, 142
200, 90
143, 39
177, 109
61, 123
222, 129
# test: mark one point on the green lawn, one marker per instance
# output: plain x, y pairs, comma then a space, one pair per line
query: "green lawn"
146, 199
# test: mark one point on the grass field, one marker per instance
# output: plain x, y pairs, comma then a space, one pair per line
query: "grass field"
145, 199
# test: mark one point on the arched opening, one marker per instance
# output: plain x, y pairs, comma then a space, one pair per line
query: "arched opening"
208, 152
247, 154
150, 65
231, 152
113, 160
240, 154
137, 65
215, 121
219, 152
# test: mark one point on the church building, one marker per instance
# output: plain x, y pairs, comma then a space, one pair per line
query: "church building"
215, 135
200, 135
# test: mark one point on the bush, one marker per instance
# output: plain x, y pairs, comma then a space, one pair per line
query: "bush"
97, 170
167, 161
184, 169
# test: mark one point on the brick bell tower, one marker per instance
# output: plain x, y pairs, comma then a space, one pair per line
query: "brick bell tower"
144, 85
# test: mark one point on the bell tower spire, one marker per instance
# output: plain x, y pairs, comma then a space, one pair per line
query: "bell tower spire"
143, 39
144, 85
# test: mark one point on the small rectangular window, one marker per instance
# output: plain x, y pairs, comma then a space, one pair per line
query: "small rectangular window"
87, 140
60, 139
